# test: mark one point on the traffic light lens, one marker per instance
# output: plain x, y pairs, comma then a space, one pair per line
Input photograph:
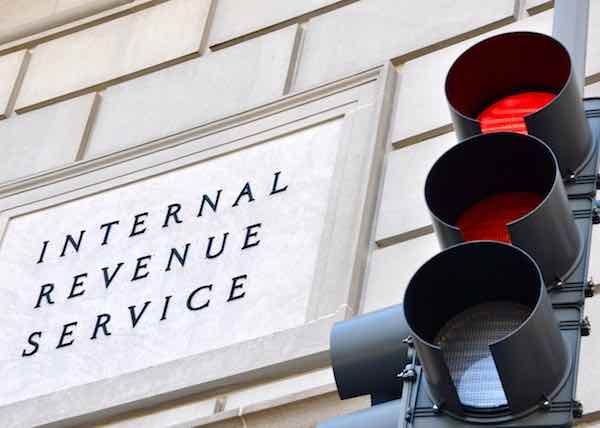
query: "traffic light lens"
488, 218
508, 113
465, 341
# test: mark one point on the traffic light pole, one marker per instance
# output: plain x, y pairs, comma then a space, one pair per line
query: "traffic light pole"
571, 29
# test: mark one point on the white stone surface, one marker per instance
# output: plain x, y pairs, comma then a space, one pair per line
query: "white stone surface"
279, 269
62, 5
113, 49
592, 90
192, 93
391, 269
368, 33
592, 66
534, 3
589, 422
43, 139
18, 12
302, 414
166, 415
403, 209
594, 266
588, 386
234, 18
420, 99
9, 71
265, 392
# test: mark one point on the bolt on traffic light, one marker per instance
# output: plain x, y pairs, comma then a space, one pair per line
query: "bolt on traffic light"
506, 187
521, 82
484, 331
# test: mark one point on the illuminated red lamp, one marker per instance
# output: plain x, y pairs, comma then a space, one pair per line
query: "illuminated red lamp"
488, 218
509, 113
505, 186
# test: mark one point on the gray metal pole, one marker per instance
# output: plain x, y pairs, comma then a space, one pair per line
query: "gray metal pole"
571, 29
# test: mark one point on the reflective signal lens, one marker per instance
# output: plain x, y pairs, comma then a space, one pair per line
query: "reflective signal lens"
488, 218
508, 113
465, 341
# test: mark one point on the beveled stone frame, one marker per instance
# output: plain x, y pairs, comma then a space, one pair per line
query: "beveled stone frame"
363, 102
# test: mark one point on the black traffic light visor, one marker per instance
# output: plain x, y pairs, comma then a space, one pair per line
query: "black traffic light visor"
518, 62
501, 163
531, 360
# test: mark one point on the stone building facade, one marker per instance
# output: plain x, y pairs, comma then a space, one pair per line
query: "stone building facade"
192, 192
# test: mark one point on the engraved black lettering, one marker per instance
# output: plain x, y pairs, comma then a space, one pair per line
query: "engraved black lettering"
275, 189
35, 345
45, 292
108, 227
178, 256
109, 277
69, 240
138, 221
66, 332
165, 308
213, 204
172, 211
77, 283
193, 294
44, 247
236, 284
101, 321
246, 191
140, 265
251, 234
135, 318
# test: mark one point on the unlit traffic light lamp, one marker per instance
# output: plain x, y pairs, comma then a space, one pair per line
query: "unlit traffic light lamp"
489, 342
495, 319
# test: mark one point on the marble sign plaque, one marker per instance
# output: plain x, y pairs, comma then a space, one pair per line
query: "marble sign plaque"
202, 257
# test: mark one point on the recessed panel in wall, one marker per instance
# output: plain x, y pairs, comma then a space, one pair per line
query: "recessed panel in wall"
199, 258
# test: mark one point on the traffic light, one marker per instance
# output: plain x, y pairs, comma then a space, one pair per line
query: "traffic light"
495, 319
483, 327
521, 82
505, 187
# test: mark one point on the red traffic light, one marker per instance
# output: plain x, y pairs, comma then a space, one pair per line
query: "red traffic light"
505, 186
521, 82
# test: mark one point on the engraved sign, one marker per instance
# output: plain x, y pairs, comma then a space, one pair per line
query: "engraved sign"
218, 252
